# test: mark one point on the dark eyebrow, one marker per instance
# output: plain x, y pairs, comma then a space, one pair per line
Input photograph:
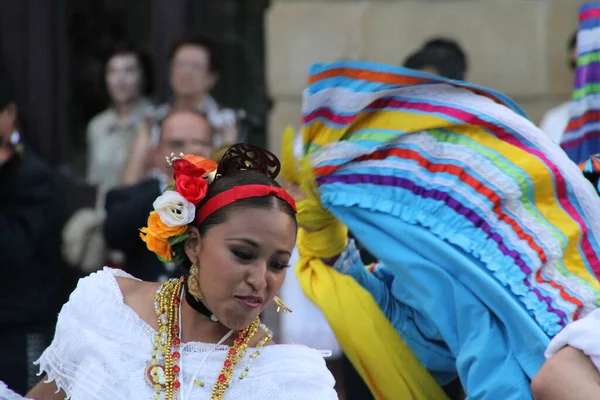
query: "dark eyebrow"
256, 245
247, 241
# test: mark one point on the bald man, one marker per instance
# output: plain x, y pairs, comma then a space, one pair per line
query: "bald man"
127, 208
183, 131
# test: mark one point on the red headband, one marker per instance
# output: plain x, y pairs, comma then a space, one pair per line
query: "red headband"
238, 193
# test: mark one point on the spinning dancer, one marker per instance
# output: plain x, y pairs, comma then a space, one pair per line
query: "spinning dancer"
488, 235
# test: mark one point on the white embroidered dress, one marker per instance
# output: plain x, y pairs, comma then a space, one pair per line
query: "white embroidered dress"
102, 348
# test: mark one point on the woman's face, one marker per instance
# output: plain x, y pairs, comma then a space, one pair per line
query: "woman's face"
124, 78
242, 263
190, 72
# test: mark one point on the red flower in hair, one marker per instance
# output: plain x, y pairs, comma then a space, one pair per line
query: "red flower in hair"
183, 167
189, 173
192, 188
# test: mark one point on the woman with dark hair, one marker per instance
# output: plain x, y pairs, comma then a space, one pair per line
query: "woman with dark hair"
109, 138
200, 336
109, 134
440, 56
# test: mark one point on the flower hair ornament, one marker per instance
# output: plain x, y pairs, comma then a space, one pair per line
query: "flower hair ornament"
175, 209
178, 206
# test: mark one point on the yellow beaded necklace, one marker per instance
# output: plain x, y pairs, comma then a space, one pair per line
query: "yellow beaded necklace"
163, 371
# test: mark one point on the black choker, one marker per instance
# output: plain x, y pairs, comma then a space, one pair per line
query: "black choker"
198, 305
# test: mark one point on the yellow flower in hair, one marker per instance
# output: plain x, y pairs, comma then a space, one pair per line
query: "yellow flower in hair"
160, 247
156, 236
159, 229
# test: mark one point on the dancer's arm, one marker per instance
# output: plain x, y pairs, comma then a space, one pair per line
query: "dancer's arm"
423, 337
323, 236
136, 164
573, 367
350, 263
569, 374
46, 391
475, 335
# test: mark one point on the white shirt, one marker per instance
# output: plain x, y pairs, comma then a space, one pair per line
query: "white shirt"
554, 123
294, 327
102, 348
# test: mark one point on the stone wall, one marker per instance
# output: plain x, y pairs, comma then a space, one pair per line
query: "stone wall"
515, 46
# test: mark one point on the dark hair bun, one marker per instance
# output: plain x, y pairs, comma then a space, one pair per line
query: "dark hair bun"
246, 157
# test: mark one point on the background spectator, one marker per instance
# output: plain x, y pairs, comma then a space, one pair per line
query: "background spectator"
30, 261
440, 56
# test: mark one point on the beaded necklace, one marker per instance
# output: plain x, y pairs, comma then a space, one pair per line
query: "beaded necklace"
163, 371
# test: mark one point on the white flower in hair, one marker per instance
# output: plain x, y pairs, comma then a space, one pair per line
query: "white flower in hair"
173, 209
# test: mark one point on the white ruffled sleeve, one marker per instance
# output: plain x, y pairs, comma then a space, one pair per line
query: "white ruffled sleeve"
84, 324
583, 334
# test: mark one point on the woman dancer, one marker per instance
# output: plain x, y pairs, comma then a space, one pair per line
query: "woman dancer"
488, 235
199, 337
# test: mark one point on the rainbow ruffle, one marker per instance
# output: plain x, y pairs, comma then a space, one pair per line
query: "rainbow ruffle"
465, 163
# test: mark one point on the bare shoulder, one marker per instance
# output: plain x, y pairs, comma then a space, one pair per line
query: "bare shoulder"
129, 286
45, 390
132, 288
139, 296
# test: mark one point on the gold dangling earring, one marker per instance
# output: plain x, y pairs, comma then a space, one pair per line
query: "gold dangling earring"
193, 284
281, 305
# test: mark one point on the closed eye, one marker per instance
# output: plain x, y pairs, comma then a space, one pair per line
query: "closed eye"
279, 266
243, 256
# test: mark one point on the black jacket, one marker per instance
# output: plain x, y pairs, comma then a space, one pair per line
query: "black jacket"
127, 211
31, 219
